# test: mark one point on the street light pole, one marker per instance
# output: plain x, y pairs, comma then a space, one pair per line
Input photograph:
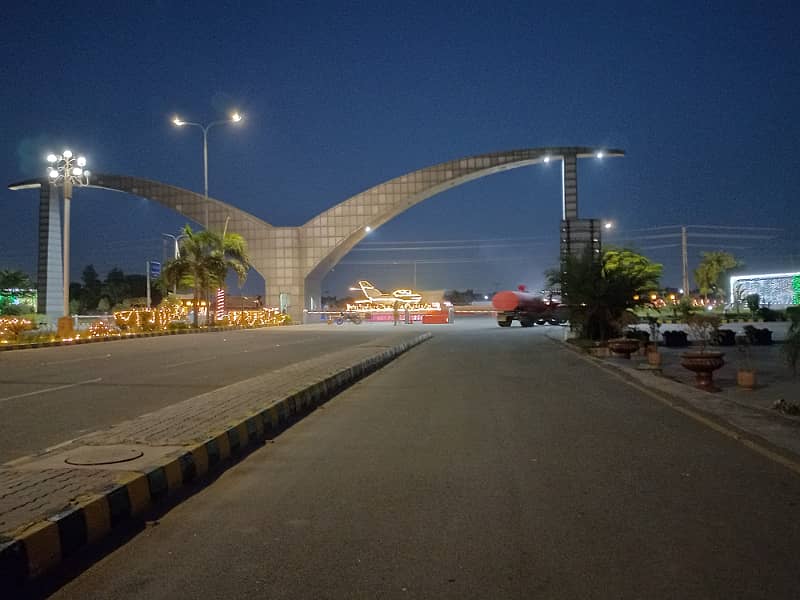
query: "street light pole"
67, 170
176, 239
234, 118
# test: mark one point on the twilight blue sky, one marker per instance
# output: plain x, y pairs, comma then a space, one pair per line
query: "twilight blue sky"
341, 96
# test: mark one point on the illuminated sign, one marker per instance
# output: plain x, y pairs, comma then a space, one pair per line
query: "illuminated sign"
377, 301
781, 289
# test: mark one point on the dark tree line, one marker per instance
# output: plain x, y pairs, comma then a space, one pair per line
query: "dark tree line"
93, 294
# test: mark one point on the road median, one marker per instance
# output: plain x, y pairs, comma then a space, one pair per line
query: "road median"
56, 502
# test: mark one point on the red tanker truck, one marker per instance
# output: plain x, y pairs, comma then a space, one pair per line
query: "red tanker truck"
520, 305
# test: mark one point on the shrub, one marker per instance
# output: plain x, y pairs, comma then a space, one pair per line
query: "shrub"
637, 334
675, 338
768, 314
704, 328
758, 337
725, 337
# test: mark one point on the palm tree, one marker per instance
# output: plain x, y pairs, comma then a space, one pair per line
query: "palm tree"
204, 260
600, 290
709, 272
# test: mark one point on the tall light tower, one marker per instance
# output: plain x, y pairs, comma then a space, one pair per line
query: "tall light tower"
65, 171
234, 118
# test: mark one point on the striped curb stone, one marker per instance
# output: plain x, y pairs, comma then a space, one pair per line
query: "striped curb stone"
49, 510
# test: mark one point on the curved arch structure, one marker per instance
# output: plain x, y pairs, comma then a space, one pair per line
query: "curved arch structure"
294, 260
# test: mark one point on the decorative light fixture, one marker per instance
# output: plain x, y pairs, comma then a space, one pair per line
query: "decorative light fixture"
235, 117
67, 170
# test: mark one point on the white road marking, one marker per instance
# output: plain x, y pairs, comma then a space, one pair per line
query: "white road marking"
73, 360
189, 362
52, 389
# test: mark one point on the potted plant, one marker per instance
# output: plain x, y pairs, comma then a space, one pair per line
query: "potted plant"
703, 362
726, 337
791, 346
623, 347
642, 336
746, 374
653, 355
758, 337
675, 338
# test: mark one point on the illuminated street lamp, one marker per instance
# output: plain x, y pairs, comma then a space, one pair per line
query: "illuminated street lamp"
65, 171
176, 239
178, 122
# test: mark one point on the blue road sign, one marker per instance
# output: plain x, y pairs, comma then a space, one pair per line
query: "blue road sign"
155, 269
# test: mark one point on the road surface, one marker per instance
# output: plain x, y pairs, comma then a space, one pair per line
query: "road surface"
486, 463
51, 395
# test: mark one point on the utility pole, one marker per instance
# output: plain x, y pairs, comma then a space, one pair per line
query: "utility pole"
685, 260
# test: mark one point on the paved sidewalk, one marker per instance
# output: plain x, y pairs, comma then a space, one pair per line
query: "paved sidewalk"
53, 503
749, 410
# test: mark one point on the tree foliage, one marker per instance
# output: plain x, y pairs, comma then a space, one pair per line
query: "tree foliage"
14, 280
710, 271
10, 282
600, 290
205, 257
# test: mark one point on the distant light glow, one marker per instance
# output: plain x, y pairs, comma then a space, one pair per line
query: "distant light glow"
77, 171
53, 173
773, 288
599, 155
367, 228
236, 117
177, 121
81, 161
51, 158
547, 159
67, 153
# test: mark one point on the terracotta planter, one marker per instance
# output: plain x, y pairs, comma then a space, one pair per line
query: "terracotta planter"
746, 378
703, 365
654, 358
623, 347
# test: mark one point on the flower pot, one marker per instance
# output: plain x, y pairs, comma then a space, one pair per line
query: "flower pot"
746, 378
623, 347
703, 365
654, 358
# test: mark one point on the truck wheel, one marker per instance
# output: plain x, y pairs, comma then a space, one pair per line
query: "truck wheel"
505, 323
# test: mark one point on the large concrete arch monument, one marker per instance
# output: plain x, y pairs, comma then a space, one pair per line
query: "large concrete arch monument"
294, 260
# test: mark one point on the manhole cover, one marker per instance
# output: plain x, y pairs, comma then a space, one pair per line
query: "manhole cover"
102, 456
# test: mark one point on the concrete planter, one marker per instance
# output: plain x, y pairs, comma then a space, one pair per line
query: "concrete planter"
623, 347
703, 365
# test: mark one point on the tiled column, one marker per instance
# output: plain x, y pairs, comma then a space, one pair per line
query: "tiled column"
569, 186
50, 268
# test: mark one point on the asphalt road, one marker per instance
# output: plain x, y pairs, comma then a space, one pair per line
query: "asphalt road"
486, 463
51, 395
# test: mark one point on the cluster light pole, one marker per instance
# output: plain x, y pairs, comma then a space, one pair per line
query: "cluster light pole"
178, 122
67, 170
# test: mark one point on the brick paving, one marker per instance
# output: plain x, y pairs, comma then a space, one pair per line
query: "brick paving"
28, 494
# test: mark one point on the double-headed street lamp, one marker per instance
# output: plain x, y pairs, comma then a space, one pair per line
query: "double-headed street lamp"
234, 118
65, 171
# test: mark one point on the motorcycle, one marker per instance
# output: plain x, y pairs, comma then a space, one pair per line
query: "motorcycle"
352, 317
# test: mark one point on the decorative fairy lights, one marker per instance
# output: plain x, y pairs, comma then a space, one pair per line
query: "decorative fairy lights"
219, 315
773, 288
377, 301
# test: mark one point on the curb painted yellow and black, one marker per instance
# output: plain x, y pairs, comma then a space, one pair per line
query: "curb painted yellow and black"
41, 546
